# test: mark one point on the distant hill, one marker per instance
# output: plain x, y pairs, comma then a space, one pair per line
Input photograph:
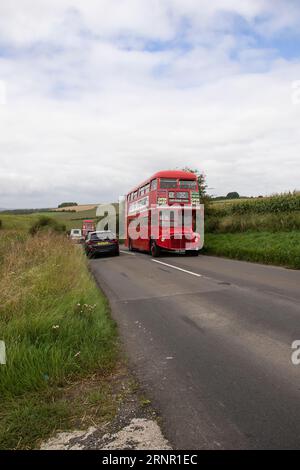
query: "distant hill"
23, 211
78, 208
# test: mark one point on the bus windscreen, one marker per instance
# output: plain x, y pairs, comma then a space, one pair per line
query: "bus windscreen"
168, 183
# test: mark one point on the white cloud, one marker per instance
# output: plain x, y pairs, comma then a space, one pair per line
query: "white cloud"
91, 110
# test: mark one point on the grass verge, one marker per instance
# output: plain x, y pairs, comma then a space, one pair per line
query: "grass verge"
57, 330
280, 248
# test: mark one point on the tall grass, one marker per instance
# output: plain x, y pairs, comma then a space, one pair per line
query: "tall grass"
55, 323
53, 319
17, 222
262, 247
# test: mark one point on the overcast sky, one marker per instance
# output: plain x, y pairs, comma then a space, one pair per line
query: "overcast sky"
96, 95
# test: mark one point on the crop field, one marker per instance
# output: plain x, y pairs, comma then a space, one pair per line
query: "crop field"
69, 219
263, 230
78, 208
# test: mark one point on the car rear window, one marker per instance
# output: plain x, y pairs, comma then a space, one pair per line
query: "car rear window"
103, 236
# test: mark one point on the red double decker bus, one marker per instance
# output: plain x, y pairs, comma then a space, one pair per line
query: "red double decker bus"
162, 214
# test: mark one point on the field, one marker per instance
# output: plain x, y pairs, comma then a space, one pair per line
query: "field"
58, 332
78, 208
70, 219
265, 230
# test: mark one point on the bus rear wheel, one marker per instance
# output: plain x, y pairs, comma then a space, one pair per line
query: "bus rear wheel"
155, 250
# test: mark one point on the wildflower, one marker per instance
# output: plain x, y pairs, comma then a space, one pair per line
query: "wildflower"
55, 327
77, 354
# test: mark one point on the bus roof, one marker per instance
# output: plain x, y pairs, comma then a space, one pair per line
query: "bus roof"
178, 174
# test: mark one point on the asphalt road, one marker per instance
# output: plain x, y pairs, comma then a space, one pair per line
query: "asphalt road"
212, 346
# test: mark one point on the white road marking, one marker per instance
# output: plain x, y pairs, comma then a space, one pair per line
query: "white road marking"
178, 269
127, 252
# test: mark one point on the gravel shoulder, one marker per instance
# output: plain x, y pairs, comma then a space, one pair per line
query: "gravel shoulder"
135, 425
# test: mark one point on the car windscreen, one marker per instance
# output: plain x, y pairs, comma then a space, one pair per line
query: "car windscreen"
103, 236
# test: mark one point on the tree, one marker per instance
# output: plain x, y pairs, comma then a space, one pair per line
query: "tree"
233, 195
67, 204
201, 177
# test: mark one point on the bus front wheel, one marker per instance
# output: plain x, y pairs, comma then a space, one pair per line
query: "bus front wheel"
130, 245
193, 253
155, 250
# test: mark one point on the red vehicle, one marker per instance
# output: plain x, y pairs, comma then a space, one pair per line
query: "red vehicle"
88, 226
161, 214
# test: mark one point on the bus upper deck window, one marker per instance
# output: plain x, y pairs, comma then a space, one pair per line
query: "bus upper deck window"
168, 183
153, 185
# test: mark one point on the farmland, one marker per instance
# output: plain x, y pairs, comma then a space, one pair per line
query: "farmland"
23, 221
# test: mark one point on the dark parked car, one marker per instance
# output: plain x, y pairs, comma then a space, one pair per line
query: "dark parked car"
101, 242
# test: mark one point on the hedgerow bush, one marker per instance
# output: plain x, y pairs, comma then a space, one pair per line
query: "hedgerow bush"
46, 223
279, 248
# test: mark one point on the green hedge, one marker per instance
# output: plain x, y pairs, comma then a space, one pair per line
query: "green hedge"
261, 247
